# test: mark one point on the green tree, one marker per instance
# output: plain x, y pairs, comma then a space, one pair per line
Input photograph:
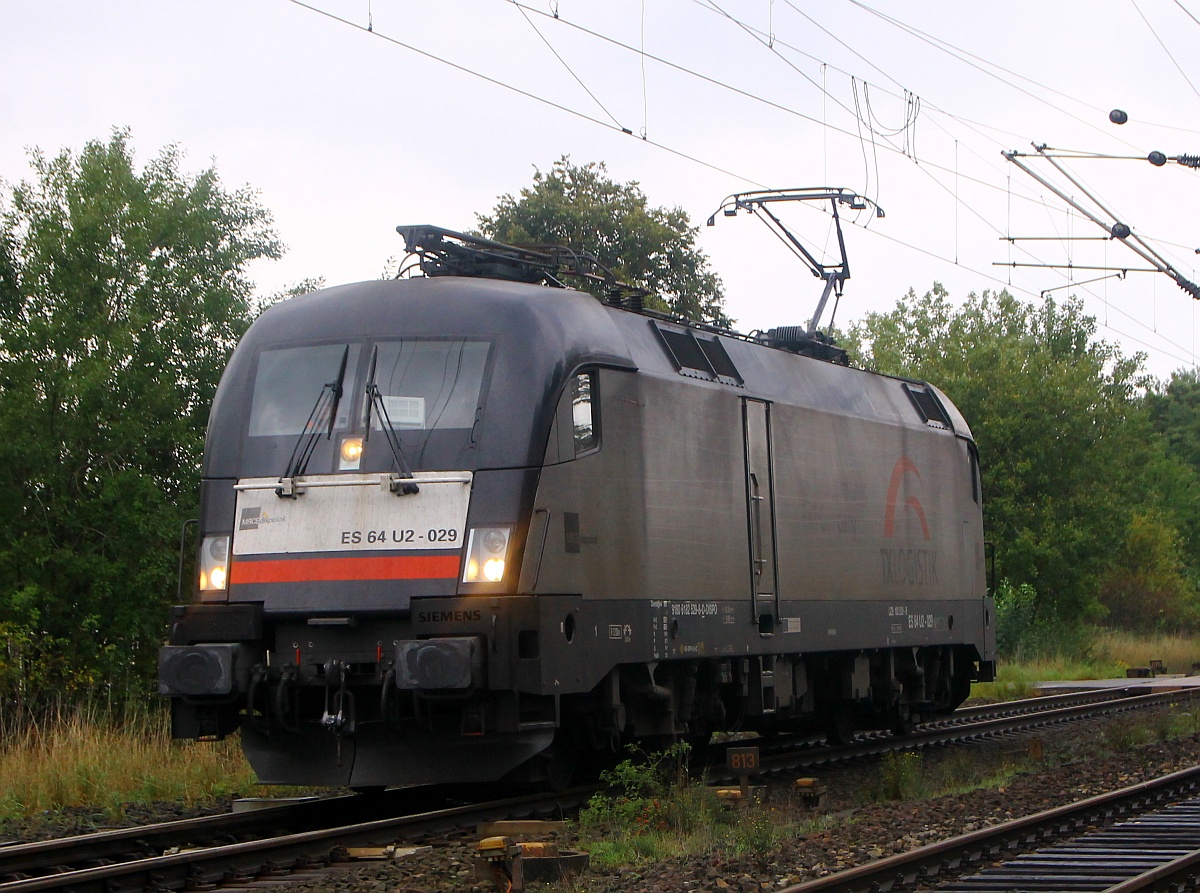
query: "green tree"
1148, 587
1063, 435
581, 207
121, 294
1175, 415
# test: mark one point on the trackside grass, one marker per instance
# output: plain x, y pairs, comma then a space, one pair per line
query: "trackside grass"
1177, 652
653, 811
90, 757
99, 759
1103, 654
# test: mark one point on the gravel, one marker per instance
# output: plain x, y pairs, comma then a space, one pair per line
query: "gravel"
853, 826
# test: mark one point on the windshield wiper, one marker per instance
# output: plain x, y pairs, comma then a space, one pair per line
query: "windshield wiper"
327, 402
405, 486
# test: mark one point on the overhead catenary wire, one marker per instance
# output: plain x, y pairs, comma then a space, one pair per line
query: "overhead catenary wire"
525, 93
779, 106
957, 173
1148, 253
912, 111
769, 45
910, 97
575, 112
571, 71
1187, 11
1166, 49
1142, 248
768, 42
979, 63
645, 90
867, 168
661, 146
708, 4
958, 116
861, 119
880, 234
1134, 242
983, 219
843, 43
907, 95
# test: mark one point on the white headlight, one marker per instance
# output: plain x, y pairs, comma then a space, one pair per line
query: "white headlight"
350, 454
487, 552
214, 563
493, 570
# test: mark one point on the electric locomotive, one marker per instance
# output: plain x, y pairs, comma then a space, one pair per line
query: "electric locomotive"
469, 525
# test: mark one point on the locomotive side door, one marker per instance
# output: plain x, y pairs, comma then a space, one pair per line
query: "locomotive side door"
760, 502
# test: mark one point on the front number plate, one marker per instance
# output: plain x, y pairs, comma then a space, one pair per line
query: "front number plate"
351, 513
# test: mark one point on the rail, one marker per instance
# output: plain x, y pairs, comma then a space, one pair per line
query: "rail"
145, 857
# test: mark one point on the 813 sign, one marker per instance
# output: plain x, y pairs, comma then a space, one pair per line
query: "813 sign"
742, 760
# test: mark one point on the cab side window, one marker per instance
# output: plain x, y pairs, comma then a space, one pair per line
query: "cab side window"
576, 428
976, 478
972, 467
583, 413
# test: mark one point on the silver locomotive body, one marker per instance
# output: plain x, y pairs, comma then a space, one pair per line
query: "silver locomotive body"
527, 526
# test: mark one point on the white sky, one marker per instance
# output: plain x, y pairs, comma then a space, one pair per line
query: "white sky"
347, 134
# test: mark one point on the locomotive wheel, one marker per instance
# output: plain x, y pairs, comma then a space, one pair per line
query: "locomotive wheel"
699, 744
558, 763
838, 727
960, 690
901, 722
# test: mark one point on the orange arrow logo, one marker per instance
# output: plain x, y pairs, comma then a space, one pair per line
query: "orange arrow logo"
903, 466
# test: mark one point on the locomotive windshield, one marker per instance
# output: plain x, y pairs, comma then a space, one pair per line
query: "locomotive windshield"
430, 384
288, 381
424, 384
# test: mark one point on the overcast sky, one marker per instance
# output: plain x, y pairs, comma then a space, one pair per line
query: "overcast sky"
347, 132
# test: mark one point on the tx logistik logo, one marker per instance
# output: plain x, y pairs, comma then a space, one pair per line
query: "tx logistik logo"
900, 566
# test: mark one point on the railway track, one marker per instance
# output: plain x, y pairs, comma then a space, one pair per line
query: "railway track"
22, 861
977, 723
225, 864
1160, 847
1149, 838
200, 853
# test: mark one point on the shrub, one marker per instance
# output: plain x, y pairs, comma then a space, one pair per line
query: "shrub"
899, 777
639, 792
1026, 630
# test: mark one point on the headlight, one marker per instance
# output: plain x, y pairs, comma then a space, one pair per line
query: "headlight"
350, 454
214, 564
487, 550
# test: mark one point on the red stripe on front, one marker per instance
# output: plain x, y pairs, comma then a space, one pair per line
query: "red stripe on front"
310, 570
